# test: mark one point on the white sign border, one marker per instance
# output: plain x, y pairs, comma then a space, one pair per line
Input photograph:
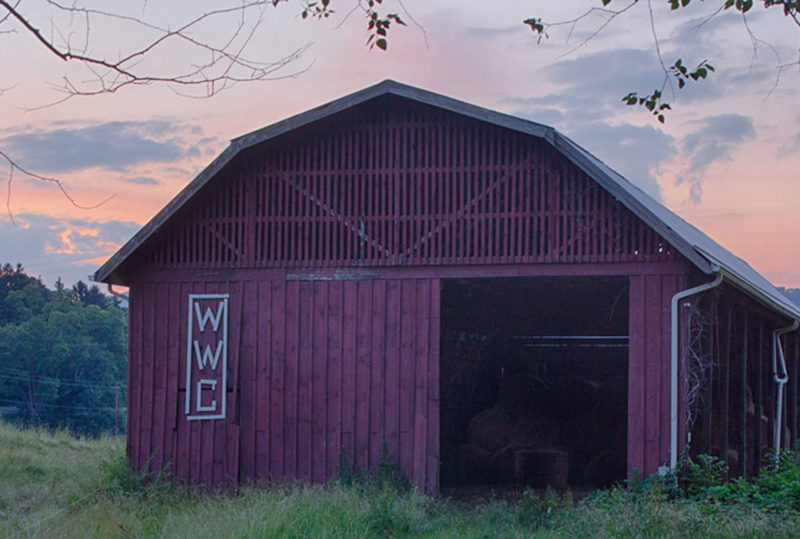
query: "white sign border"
190, 319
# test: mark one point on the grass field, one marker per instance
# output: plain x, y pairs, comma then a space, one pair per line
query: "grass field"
53, 485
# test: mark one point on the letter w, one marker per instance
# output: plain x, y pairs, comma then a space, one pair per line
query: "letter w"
207, 356
202, 319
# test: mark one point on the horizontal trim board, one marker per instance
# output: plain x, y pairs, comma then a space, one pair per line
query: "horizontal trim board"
421, 272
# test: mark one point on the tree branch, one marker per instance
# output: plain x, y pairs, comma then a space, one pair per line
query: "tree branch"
13, 166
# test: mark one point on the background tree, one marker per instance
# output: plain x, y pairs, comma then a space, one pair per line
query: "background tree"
62, 355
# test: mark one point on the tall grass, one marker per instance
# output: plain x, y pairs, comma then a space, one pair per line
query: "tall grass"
52, 485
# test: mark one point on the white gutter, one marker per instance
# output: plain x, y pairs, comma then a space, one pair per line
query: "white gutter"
673, 403
780, 379
116, 294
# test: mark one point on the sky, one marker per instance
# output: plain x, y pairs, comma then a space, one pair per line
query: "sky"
727, 159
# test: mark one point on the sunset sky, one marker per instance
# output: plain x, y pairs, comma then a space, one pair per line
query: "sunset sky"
727, 159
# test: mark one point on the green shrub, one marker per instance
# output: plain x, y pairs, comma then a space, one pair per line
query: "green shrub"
536, 511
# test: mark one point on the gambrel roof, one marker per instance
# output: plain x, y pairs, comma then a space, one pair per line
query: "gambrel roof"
703, 252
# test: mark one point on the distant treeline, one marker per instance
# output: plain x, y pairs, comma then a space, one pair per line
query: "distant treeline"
62, 355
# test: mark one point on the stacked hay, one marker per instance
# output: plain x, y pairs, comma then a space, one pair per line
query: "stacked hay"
517, 422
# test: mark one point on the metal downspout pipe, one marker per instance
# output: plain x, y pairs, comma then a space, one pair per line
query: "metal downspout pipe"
780, 379
673, 402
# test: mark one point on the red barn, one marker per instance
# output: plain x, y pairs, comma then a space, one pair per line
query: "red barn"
398, 274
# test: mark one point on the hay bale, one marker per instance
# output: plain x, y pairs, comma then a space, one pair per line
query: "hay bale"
535, 428
542, 468
518, 394
490, 428
572, 396
502, 465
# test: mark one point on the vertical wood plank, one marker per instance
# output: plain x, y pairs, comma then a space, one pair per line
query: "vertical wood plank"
363, 375
432, 468
652, 372
305, 333
277, 381
725, 381
392, 406
793, 389
335, 382
377, 434
135, 346
243, 375
758, 375
319, 382
349, 361
183, 464
148, 351
670, 284
263, 338
743, 358
291, 387
407, 374
161, 322
173, 360
636, 375
421, 369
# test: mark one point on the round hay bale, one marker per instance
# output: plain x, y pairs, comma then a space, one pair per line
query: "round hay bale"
572, 396
542, 468
491, 428
502, 465
535, 429
519, 393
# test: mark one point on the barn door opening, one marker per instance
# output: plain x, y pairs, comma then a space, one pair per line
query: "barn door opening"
534, 382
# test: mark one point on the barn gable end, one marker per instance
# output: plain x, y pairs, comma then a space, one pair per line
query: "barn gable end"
395, 183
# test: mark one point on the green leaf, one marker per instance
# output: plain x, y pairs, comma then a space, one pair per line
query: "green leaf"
661, 118
381, 43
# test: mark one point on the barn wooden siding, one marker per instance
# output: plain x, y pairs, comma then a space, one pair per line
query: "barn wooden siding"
324, 368
393, 184
319, 372
735, 419
649, 369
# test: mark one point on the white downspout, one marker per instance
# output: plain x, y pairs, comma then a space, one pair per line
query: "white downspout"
780, 379
673, 402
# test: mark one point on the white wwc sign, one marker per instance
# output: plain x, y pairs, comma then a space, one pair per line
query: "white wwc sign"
207, 356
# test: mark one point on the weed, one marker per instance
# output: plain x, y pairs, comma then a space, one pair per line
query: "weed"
534, 511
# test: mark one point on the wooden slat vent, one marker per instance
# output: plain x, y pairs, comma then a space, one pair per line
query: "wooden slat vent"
404, 185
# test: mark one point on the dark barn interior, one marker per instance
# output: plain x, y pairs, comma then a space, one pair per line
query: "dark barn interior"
534, 382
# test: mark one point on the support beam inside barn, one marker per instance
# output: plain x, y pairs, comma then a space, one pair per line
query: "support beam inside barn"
534, 378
